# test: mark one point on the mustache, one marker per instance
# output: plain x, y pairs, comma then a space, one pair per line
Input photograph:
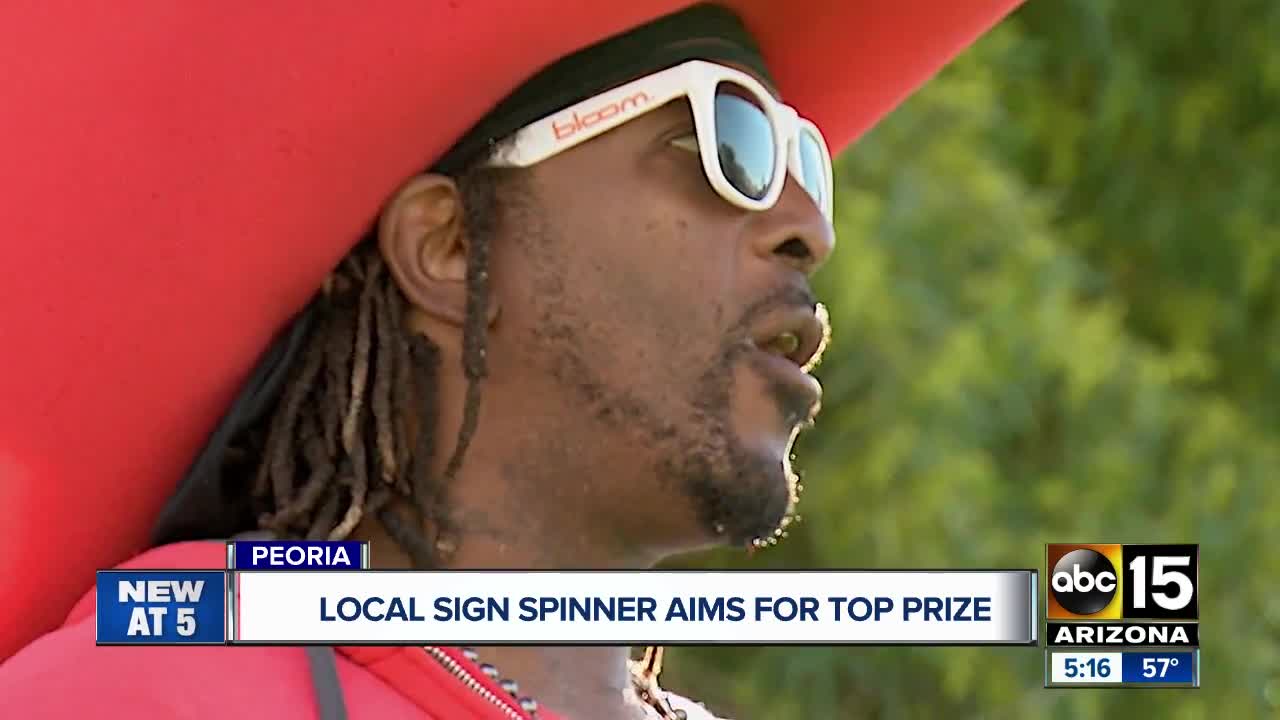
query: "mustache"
782, 298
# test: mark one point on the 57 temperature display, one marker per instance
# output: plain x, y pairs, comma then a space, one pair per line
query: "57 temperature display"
1155, 668
1159, 667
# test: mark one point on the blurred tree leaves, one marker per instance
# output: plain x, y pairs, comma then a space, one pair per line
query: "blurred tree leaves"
1057, 319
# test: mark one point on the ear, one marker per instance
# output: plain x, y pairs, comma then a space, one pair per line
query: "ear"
423, 239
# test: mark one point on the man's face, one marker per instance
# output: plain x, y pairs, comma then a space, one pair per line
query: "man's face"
666, 327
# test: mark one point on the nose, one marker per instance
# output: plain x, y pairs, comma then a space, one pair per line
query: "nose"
795, 232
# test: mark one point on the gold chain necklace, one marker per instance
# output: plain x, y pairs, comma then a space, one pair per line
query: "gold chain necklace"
644, 678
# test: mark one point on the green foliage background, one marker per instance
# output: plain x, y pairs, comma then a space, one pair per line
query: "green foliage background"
1056, 308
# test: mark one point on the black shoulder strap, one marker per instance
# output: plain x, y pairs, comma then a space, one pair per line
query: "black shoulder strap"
324, 677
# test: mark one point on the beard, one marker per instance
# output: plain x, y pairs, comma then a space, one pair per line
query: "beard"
740, 495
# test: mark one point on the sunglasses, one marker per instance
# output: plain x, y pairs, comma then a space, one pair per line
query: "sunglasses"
746, 138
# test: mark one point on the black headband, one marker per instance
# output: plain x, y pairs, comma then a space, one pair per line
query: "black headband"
703, 32
202, 506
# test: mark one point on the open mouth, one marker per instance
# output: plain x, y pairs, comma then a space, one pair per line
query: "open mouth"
797, 335
790, 345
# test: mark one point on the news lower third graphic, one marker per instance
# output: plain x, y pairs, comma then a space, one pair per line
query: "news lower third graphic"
1122, 615
323, 593
1116, 616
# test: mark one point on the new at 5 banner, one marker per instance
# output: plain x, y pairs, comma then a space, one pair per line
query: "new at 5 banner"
635, 607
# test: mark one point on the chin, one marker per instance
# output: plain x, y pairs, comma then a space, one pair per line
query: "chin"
751, 502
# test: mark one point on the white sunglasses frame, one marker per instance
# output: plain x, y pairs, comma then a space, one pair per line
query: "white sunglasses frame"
697, 80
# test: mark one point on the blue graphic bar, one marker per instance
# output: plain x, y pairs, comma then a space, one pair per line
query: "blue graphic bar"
161, 607
1154, 668
298, 555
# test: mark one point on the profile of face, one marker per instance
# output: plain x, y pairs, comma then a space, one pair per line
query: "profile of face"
647, 338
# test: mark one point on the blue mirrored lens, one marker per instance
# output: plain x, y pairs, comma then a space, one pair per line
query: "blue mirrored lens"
745, 143
813, 166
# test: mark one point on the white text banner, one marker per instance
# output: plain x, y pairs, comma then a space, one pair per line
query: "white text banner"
829, 607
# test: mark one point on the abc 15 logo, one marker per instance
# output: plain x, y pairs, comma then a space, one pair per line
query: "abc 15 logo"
1099, 581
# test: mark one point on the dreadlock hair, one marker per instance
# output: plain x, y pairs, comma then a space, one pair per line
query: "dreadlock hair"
355, 425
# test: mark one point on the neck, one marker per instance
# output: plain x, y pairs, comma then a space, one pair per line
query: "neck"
577, 683
535, 495
525, 500
511, 529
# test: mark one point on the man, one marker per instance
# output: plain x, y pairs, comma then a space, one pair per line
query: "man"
580, 340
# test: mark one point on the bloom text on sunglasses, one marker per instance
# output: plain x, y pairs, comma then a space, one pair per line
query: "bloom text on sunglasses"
578, 122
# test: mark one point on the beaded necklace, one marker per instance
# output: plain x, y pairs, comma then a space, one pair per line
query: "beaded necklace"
644, 681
